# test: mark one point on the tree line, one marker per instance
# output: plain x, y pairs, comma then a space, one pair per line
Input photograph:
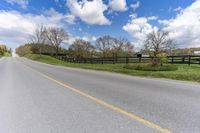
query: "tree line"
4, 50
49, 40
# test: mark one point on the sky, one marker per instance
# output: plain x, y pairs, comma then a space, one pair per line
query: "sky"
90, 19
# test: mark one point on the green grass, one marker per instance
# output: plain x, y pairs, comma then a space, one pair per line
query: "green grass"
184, 72
149, 67
7, 54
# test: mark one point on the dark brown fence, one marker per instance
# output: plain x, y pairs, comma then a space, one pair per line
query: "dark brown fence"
107, 60
184, 59
181, 59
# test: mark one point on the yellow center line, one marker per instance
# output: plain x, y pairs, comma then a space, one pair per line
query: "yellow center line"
105, 104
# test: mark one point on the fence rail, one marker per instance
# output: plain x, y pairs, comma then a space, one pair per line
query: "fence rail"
185, 59
107, 60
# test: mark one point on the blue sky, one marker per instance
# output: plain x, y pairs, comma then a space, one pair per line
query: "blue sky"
132, 19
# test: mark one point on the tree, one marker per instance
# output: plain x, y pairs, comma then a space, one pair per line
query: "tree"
56, 36
39, 37
104, 45
110, 46
81, 49
1, 51
32, 48
158, 41
24, 49
122, 47
4, 50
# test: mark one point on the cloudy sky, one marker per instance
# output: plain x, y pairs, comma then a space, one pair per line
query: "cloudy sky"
89, 19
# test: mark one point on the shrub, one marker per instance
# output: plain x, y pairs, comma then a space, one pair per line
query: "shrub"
162, 58
150, 67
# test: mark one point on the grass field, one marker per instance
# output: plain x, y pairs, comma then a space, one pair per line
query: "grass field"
184, 72
7, 54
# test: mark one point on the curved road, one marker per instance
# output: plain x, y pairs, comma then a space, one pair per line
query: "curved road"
41, 98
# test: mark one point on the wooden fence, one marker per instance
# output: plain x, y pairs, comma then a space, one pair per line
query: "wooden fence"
107, 60
185, 59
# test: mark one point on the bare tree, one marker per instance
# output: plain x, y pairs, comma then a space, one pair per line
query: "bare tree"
122, 46
104, 44
113, 46
158, 41
56, 36
39, 37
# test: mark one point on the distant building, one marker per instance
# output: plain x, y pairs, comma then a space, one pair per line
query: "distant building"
145, 55
140, 55
197, 52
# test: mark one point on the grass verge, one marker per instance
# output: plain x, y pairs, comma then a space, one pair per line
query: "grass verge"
149, 67
7, 54
183, 72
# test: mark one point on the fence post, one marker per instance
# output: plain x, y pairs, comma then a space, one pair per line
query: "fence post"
127, 61
189, 62
172, 60
91, 60
183, 60
101, 60
140, 59
113, 59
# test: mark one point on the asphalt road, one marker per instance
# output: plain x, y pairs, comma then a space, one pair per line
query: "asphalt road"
40, 98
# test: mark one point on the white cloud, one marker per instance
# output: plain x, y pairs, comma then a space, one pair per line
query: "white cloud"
89, 38
22, 3
135, 5
185, 27
164, 22
16, 28
91, 12
70, 19
178, 9
138, 28
132, 16
118, 5
152, 18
